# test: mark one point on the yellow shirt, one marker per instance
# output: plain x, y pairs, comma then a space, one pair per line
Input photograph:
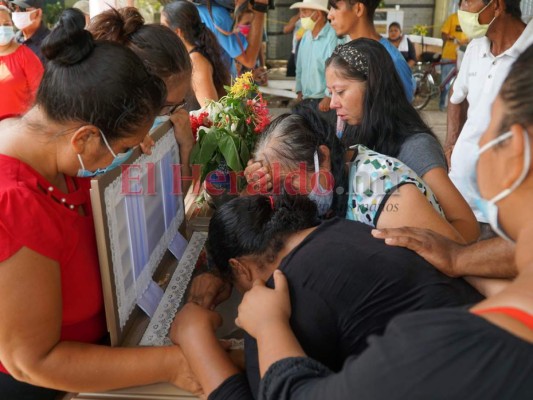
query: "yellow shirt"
452, 28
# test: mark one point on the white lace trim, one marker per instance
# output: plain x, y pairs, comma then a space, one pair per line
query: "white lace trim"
128, 289
157, 332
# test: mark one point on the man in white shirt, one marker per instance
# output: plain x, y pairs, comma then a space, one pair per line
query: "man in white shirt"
485, 65
500, 37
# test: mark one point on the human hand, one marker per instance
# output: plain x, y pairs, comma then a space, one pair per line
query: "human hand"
436, 249
209, 290
182, 129
299, 97
193, 321
260, 75
258, 178
263, 308
182, 376
147, 144
324, 104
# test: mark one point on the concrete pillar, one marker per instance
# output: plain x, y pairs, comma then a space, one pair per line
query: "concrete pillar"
442, 10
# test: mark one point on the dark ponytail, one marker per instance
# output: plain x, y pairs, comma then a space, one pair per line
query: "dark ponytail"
257, 225
161, 50
184, 15
101, 83
68, 43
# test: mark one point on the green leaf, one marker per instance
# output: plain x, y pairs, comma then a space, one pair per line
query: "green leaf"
228, 148
208, 147
245, 153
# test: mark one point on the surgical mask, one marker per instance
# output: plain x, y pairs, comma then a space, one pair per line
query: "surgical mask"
159, 120
470, 25
322, 197
307, 23
119, 160
244, 29
488, 207
22, 19
6, 35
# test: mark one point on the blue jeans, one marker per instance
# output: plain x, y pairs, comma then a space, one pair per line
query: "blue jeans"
444, 71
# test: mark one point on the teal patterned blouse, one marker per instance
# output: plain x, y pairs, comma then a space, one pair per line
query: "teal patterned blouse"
374, 177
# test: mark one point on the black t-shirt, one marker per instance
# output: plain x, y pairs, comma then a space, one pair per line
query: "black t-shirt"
439, 354
35, 41
346, 285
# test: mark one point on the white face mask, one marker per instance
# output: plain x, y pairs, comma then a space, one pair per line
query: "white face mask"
6, 35
489, 207
307, 22
22, 19
470, 25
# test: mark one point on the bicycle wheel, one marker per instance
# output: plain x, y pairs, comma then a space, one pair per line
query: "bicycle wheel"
424, 90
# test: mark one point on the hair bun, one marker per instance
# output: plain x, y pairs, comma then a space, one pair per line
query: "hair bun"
116, 25
69, 42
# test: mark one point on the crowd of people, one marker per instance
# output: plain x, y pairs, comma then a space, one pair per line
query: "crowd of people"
388, 267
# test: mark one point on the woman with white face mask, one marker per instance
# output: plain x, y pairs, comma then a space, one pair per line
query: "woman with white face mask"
20, 71
482, 353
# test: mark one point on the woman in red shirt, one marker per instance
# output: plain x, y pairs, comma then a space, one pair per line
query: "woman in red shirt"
89, 114
20, 71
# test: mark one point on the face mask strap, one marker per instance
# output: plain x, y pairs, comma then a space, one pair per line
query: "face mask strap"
523, 174
483, 9
317, 165
81, 161
107, 144
494, 142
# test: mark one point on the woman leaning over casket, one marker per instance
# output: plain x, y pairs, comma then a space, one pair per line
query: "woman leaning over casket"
95, 103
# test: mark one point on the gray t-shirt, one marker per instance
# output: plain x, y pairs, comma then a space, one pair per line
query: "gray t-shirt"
422, 152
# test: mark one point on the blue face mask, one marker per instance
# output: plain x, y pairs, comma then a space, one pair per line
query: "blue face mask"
488, 207
161, 119
321, 196
118, 160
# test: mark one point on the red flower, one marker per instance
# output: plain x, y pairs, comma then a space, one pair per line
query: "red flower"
197, 121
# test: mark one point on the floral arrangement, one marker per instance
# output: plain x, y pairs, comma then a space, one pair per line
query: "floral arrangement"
226, 130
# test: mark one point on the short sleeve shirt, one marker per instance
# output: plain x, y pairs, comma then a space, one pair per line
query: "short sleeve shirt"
404, 72
37, 215
479, 80
311, 62
20, 75
221, 24
374, 177
452, 28
422, 152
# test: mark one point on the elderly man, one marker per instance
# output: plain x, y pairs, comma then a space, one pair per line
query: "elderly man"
316, 46
28, 18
